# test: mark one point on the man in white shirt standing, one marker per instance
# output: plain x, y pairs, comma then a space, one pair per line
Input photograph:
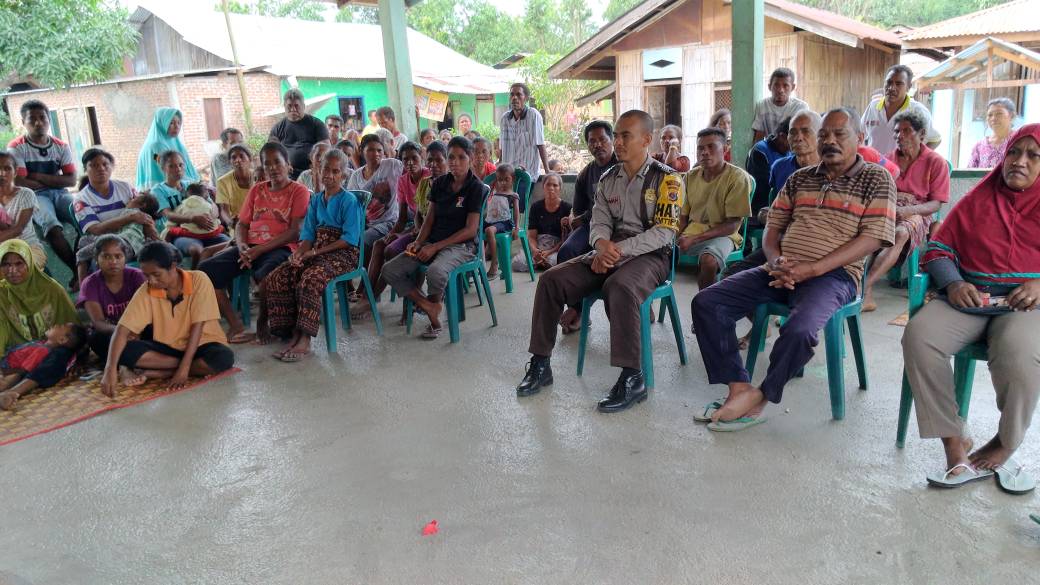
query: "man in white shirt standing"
881, 135
522, 136
780, 104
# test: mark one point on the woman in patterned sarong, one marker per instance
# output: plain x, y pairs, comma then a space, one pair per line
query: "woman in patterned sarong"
923, 185
328, 248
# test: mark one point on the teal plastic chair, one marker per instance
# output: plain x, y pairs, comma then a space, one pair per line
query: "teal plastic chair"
453, 296
834, 344
756, 236
504, 242
666, 293
912, 263
963, 366
240, 296
734, 256
339, 284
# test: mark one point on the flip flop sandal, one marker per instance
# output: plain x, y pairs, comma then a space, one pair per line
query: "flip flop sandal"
709, 410
291, 357
1013, 479
243, 337
737, 424
431, 332
948, 480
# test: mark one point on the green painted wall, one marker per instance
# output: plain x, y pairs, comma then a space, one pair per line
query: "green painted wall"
374, 95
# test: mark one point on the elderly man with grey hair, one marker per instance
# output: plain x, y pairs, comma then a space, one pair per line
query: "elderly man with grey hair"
298, 132
826, 219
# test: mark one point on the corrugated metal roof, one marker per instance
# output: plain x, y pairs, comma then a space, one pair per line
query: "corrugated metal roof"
329, 50
842, 23
821, 22
1014, 17
973, 61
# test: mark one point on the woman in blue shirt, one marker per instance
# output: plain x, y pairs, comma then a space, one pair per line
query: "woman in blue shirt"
328, 248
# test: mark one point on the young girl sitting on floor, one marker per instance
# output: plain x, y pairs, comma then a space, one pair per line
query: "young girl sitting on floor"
34, 366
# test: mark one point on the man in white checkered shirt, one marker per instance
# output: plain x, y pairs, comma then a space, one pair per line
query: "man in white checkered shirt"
522, 136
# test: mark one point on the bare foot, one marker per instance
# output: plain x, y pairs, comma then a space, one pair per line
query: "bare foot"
263, 336
991, 455
130, 378
869, 305
155, 374
7, 400
433, 312
745, 342
570, 320
743, 400
360, 310
957, 449
240, 336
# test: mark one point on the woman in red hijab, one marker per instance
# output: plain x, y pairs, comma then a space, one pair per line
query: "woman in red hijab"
985, 263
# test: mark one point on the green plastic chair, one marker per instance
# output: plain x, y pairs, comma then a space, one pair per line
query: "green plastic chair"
453, 296
834, 343
963, 366
240, 296
328, 302
734, 256
756, 236
504, 242
666, 293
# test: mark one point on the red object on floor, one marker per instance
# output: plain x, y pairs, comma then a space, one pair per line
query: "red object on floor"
430, 529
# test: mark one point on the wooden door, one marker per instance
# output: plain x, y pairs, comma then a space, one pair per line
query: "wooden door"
213, 110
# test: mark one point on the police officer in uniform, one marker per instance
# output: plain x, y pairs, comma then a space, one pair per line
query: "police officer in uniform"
635, 220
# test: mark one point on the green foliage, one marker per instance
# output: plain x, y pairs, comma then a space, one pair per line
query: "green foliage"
482, 32
255, 142
301, 9
7, 131
553, 96
616, 8
889, 13
63, 42
488, 130
358, 14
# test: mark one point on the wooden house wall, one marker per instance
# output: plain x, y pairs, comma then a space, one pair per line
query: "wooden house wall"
838, 75
163, 50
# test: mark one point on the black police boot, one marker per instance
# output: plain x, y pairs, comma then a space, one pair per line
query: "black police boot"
628, 390
539, 374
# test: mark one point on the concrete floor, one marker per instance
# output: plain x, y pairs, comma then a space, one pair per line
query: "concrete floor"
325, 472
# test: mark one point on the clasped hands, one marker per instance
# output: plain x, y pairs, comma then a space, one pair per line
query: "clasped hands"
423, 252
787, 273
963, 295
607, 256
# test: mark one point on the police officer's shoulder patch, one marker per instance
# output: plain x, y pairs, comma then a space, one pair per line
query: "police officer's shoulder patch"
669, 202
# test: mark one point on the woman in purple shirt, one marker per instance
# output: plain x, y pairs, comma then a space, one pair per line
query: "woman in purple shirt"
105, 294
1000, 117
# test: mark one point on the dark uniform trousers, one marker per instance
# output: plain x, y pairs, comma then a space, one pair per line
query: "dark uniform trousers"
624, 289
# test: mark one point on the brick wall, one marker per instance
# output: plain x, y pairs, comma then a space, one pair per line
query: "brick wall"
125, 111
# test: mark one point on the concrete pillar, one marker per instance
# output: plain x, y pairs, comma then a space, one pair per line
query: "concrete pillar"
394, 22
748, 45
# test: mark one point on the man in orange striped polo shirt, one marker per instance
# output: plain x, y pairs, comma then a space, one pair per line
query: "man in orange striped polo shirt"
825, 221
